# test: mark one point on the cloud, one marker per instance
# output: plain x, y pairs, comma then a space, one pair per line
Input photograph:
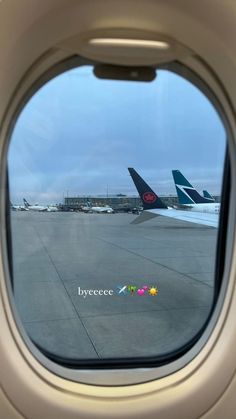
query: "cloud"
79, 134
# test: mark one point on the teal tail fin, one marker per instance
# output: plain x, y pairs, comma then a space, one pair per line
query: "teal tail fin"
187, 194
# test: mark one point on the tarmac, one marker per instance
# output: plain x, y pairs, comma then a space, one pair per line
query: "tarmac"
57, 254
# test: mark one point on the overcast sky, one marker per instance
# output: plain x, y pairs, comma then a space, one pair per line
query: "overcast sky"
78, 134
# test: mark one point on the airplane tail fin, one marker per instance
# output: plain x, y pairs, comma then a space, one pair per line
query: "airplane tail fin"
206, 194
26, 204
187, 194
88, 203
148, 197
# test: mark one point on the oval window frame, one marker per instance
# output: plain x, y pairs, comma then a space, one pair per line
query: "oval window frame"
107, 375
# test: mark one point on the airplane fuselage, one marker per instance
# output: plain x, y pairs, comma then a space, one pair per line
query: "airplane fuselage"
52, 208
37, 208
107, 210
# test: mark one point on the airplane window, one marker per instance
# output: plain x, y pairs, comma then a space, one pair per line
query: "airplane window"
115, 191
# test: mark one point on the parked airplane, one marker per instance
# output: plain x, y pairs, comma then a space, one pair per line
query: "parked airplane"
190, 198
154, 206
89, 208
35, 207
18, 207
99, 210
206, 194
52, 208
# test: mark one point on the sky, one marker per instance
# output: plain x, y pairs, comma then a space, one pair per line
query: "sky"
78, 135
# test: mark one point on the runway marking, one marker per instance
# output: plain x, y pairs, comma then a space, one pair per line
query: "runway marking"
122, 313
72, 303
154, 262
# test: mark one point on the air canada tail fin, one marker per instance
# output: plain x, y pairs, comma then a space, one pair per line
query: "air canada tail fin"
206, 194
26, 204
187, 194
148, 197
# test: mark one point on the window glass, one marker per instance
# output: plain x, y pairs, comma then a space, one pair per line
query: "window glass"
101, 271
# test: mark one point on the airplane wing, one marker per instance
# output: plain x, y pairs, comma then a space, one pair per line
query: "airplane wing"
206, 219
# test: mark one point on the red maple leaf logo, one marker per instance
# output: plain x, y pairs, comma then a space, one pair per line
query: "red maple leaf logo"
149, 197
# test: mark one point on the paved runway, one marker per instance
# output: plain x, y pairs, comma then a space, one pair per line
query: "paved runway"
55, 253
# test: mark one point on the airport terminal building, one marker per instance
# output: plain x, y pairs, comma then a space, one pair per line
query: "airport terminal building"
117, 202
